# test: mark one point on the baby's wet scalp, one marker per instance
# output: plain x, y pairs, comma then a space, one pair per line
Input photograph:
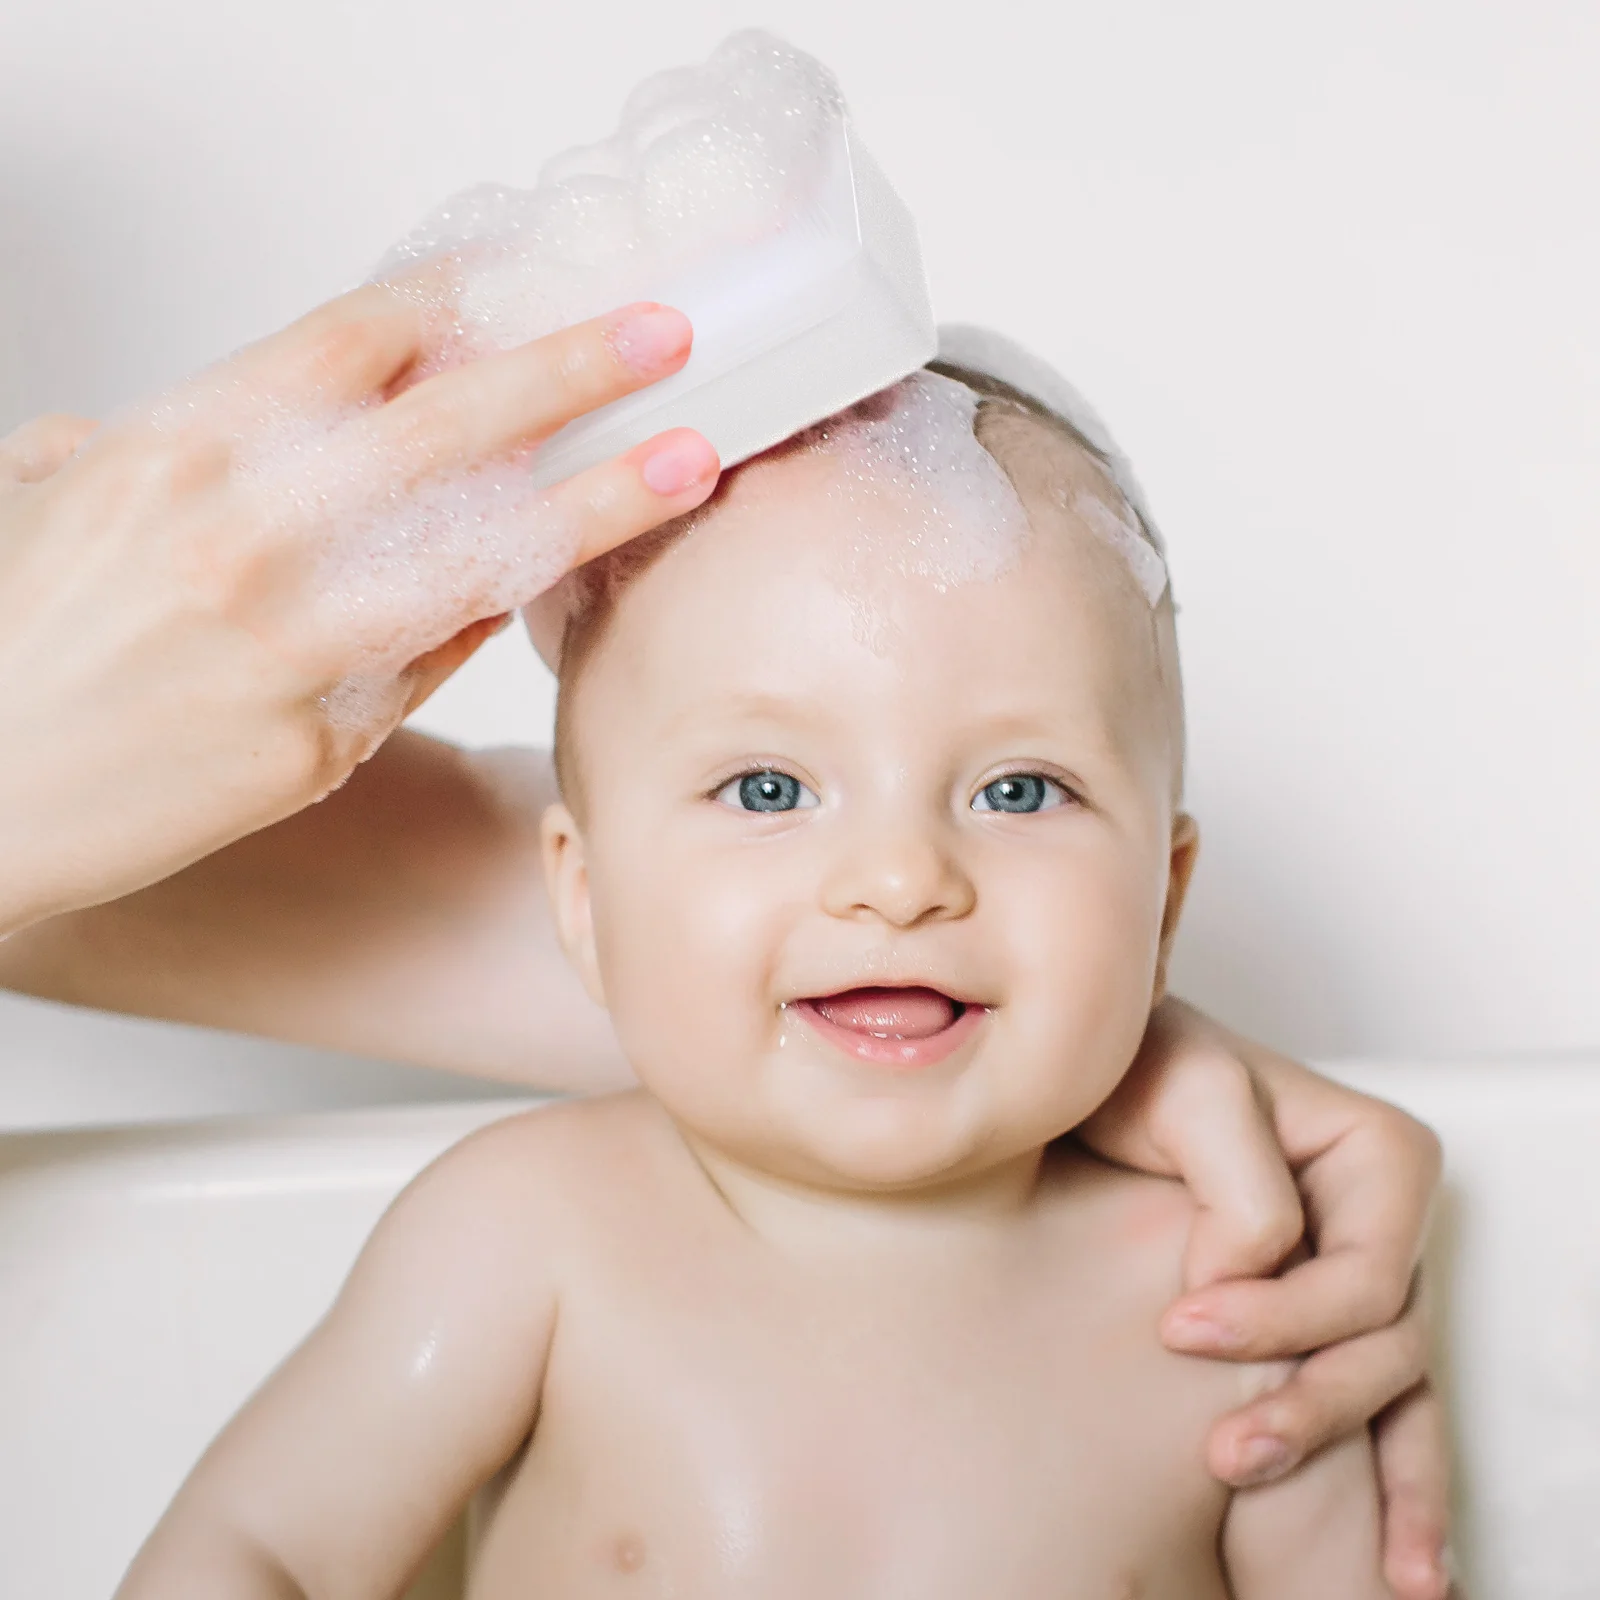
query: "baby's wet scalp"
945, 480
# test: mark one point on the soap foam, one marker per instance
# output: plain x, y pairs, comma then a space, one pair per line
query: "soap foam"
706, 159
1121, 529
403, 566
401, 559
961, 519
959, 516
915, 493
1129, 528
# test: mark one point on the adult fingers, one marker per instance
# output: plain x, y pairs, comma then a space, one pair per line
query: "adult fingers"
654, 482
355, 347
1368, 1173
37, 449
512, 400
1190, 1108
1248, 1214
1323, 1300
1370, 1191
590, 513
1332, 1394
428, 672
348, 349
1414, 1478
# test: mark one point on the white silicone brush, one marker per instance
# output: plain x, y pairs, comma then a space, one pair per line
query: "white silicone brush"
737, 192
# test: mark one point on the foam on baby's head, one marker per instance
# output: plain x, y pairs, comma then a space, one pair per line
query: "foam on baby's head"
917, 494
910, 451
921, 439
1000, 367
916, 442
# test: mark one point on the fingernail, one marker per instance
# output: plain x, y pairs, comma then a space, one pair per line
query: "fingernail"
1427, 1575
651, 338
1260, 1460
682, 461
1192, 1331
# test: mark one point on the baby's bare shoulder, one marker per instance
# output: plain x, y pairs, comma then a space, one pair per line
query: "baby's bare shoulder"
1145, 1219
558, 1144
539, 1168
1129, 1231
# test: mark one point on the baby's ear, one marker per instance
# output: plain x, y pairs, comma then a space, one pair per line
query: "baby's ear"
1185, 852
566, 876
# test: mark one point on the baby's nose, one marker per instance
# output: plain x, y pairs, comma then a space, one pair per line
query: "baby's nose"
903, 873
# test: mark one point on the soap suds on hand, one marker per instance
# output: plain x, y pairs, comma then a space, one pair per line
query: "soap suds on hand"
706, 159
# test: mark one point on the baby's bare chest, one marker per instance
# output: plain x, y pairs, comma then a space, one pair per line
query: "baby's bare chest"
711, 1430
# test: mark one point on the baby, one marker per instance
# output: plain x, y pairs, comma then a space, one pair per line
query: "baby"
872, 845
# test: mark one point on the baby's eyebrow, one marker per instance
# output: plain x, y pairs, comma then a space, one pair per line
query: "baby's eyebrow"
749, 705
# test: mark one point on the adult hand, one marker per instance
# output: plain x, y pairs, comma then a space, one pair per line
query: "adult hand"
165, 643
1273, 1153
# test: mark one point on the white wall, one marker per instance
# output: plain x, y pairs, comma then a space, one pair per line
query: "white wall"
1330, 272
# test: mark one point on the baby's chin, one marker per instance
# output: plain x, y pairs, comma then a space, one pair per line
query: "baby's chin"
864, 1143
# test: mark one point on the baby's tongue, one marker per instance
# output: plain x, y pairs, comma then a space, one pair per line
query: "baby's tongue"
890, 1013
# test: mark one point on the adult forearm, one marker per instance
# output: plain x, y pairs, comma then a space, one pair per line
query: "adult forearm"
185, 666
28, 894
404, 917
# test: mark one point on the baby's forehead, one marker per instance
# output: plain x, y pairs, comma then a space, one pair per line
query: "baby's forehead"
801, 538
946, 463
926, 480
958, 491
904, 478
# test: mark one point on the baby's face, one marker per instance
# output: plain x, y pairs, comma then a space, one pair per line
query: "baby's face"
874, 876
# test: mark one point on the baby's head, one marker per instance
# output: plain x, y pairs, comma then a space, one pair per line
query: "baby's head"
871, 839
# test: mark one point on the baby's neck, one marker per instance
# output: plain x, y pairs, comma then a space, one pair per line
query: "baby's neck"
819, 1216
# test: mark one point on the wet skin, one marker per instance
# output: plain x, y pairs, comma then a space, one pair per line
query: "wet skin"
829, 1306
944, 1415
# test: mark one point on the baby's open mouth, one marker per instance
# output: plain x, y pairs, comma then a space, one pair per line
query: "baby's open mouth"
909, 1026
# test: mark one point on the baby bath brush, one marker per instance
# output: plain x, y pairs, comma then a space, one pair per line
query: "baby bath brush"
736, 191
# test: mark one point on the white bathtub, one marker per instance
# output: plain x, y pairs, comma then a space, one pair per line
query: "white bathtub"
150, 1277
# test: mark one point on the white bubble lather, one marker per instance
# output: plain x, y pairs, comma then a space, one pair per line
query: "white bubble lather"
736, 191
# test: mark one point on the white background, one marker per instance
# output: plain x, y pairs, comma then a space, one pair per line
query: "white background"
1330, 272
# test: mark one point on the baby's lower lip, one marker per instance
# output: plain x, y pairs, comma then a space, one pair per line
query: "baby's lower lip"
893, 1027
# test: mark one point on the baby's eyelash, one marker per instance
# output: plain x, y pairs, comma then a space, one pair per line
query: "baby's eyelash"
765, 790
1023, 794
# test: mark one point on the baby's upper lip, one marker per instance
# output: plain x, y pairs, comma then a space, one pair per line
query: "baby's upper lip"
963, 993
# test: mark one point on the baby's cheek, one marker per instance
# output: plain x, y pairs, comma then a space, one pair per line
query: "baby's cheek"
686, 950
1080, 973
1080, 954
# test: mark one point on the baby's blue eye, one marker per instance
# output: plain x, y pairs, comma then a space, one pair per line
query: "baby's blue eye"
766, 791
1020, 792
